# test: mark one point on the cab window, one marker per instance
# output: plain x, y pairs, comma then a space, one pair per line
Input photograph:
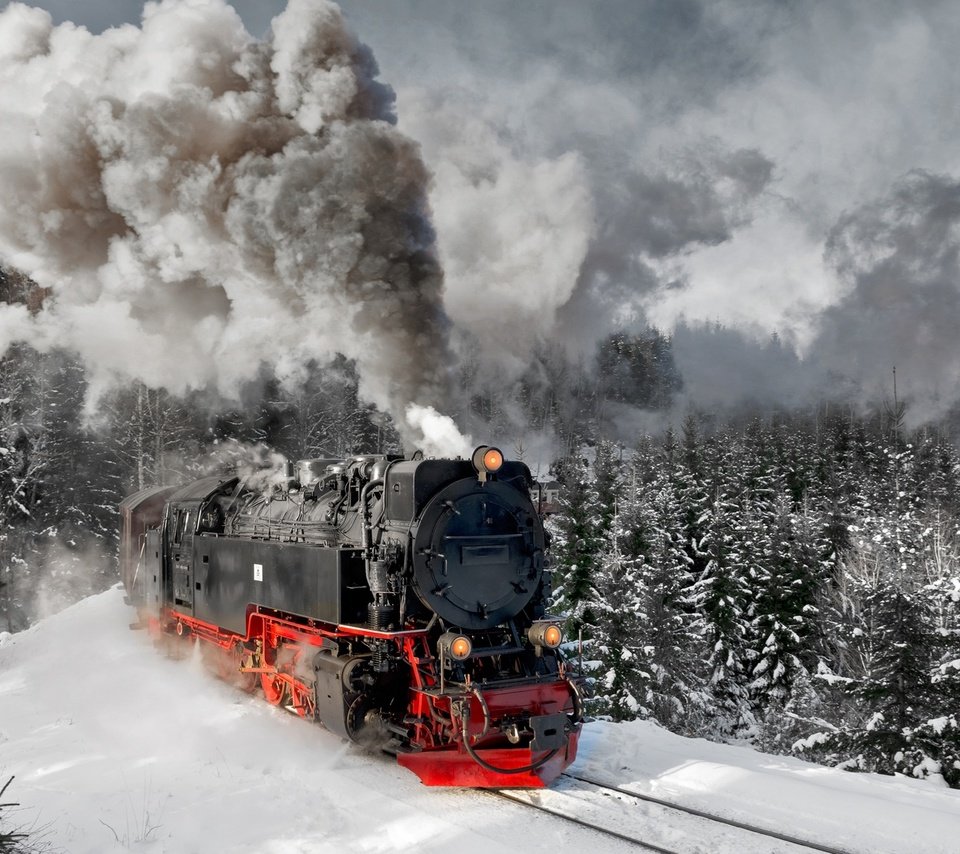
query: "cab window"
183, 519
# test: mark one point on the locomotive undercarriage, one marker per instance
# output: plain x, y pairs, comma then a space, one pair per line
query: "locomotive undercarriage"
485, 722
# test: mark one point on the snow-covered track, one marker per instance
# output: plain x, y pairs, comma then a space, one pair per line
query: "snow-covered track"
547, 801
803, 844
655, 824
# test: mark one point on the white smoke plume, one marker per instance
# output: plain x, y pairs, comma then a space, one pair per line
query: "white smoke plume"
441, 438
514, 228
199, 202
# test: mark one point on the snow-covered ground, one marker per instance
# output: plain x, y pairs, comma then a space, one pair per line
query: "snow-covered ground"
117, 748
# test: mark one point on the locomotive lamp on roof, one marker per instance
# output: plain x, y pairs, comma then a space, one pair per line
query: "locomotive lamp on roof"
400, 602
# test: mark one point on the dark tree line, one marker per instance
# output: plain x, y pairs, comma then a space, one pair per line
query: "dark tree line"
572, 399
795, 582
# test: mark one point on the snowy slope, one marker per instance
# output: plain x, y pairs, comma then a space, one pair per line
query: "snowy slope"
117, 748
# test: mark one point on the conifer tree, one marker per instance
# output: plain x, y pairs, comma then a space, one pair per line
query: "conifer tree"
586, 575
577, 546
786, 593
618, 609
673, 651
897, 692
723, 599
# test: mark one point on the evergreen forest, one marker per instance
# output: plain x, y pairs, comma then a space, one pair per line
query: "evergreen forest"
794, 583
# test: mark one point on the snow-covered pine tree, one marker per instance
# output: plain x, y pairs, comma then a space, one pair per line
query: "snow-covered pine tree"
581, 546
578, 542
897, 693
722, 595
651, 656
784, 620
889, 634
941, 732
622, 686
673, 650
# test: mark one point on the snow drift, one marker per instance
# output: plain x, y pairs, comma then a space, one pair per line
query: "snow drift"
116, 747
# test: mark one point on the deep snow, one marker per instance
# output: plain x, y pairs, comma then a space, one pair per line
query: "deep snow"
117, 748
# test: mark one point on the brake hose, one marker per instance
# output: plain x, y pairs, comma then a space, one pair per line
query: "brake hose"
465, 719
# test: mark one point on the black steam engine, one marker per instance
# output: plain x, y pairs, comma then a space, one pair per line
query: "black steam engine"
400, 602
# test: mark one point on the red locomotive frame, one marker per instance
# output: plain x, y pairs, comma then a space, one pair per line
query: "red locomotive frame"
441, 755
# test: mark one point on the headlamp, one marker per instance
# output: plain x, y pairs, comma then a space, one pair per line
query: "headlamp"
452, 645
545, 633
487, 460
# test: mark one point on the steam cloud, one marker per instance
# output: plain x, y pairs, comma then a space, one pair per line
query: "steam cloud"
213, 201
720, 149
898, 257
514, 228
200, 202
441, 437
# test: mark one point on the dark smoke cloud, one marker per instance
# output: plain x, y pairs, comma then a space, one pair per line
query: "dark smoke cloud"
899, 257
650, 219
600, 166
201, 202
718, 144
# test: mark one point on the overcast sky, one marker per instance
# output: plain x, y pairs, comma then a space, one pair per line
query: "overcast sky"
781, 166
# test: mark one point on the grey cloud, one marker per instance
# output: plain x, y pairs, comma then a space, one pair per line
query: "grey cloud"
592, 79
900, 258
664, 215
676, 40
99, 15
646, 217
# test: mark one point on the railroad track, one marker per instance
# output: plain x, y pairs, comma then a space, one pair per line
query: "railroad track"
654, 824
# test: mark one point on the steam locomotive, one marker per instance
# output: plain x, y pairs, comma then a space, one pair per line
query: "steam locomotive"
399, 602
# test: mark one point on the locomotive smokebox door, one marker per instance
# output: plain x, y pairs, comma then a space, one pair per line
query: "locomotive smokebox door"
478, 554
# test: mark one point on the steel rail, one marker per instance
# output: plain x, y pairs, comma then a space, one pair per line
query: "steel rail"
783, 837
507, 794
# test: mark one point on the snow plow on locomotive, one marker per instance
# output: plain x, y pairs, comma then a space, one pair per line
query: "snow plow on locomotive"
400, 602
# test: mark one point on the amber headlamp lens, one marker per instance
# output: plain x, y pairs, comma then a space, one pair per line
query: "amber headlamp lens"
492, 460
543, 633
452, 645
487, 460
460, 648
552, 636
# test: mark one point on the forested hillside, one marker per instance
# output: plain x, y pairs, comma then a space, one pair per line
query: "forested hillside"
795, 582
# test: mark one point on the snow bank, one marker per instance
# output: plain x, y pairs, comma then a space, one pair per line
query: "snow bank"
116, 747
857, 812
